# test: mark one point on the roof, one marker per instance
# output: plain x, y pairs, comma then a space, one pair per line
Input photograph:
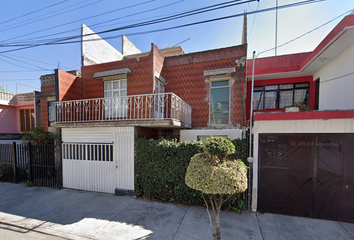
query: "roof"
303, 64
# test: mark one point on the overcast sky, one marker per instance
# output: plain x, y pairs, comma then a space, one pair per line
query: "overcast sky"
24, 23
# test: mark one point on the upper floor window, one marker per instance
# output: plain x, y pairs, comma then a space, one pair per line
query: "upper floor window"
115, 103
280, 96
26, 119
219, 102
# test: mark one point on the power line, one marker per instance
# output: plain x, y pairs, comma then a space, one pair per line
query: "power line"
80, 20
30, 59
16, 25
155, 21
168, 18
66, 40
129, 15
23, 62
23, 15
302, 35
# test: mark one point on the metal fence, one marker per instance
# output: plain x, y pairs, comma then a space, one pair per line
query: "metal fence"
157, 106
24, 163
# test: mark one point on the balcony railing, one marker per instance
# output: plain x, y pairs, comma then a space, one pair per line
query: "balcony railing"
159, 106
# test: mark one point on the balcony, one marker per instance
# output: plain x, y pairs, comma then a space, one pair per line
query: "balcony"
160, 109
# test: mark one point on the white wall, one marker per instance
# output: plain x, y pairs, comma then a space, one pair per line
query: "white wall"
337, 93
189, 135
293, 126
95, 50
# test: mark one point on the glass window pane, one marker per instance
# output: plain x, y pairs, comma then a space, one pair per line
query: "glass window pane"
286, 86
115, 84
286, 98
256, 96
123, 84
219, 106
123, 93
108, 94
302, 85
270, 100
272, 87
116, 94
257, 88
301, 97
220, 83
107, 85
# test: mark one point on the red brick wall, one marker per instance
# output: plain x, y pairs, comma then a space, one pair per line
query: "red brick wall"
185, 77
70, 86
147, 133
50, 89
140, 80
44, 113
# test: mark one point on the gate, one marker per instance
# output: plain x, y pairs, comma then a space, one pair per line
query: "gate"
24, 163
98, 159
307, 175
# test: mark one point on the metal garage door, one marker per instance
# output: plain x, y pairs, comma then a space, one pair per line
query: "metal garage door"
307, 175
98, 159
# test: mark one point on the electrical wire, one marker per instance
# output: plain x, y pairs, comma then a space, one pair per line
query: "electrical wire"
302, 35
66, 40
30, 59
80, 20
171, 17
11, 27
38, 10
126, 16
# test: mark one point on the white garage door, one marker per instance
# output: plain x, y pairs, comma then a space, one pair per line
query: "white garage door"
98, 159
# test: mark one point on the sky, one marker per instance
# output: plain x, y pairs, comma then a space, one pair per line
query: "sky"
26, 26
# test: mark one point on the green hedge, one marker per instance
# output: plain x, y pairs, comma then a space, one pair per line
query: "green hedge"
160, 168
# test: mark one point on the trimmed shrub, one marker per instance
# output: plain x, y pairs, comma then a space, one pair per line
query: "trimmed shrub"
160, 170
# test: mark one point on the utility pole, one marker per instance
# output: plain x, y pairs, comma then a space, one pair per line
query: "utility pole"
276, 27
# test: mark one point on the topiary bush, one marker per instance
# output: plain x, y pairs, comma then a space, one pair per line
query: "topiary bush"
214, 174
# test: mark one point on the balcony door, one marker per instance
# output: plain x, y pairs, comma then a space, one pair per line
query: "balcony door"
159, 99
115, 102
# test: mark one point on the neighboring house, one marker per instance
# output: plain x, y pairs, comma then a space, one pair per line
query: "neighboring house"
51, 91
163, 93
304, 161
17, 114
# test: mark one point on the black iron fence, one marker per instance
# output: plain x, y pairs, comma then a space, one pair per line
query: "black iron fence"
28, 163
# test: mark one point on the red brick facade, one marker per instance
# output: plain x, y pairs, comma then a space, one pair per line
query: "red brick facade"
70, 86
184, 76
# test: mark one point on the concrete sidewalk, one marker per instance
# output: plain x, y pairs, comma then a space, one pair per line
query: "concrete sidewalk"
71, 214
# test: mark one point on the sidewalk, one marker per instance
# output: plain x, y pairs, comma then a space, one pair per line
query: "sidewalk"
71, 214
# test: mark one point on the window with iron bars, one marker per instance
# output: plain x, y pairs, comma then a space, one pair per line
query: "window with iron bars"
280, 96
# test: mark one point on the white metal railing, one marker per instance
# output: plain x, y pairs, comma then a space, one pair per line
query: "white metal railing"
156, 106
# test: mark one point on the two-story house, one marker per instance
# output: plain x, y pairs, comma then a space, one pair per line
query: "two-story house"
304, 161
163, 93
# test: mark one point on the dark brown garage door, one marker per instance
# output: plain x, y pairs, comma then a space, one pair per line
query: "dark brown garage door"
310, 175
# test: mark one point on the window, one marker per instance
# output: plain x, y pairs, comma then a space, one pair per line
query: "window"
115, 102
26, 119
219, 102
159, 99
89, 152
280, 96
51, 112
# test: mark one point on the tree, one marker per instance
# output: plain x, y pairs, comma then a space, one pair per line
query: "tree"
38, 135
215, 175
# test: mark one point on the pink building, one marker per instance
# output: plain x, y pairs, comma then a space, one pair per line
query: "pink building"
17, 112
